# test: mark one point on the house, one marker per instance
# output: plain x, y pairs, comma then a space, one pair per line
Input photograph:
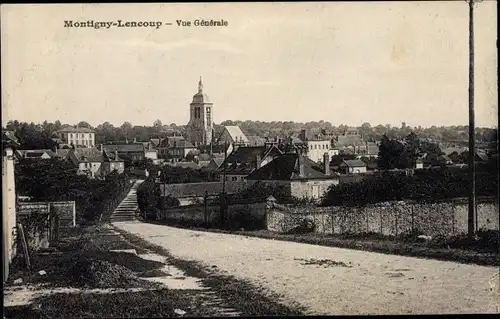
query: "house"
94, 162
244, 160
302, 177
9, 145
317, 145
126, 152
355, 166
80, 136
192, 193
174, 147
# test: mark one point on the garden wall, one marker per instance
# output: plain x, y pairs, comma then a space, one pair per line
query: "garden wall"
390, 218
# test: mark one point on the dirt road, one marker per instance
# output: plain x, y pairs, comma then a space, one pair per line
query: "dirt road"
333, 281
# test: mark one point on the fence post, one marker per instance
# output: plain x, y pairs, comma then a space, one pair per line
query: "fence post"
396, 213
380, 215
453, 217
333, 222
412, 219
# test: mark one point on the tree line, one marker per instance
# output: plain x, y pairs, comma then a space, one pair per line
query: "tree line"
55, 180
31, 134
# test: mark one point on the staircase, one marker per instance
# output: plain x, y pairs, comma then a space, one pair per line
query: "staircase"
126, 209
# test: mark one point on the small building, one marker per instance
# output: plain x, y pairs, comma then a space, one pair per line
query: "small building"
419, 164
175, 147
354, 166
95, 163
302, 177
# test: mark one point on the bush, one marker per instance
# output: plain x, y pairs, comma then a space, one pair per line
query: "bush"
55, 180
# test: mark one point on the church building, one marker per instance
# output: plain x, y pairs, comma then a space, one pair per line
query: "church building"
199, 129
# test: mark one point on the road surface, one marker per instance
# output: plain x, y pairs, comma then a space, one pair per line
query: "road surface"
334, 281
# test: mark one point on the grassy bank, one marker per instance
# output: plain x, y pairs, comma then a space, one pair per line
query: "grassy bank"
240, 295
84, 262
436, 249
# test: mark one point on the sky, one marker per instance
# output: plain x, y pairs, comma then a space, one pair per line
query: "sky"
347, 63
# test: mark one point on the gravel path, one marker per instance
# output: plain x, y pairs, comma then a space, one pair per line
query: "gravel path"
334, 281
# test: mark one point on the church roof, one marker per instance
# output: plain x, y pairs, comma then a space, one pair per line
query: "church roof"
200, 97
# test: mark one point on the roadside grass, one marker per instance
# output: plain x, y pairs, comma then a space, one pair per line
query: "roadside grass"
238, 294
441, 248
143, 304
85, 262
82, 260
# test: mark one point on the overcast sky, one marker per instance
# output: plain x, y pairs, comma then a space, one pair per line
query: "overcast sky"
346, 63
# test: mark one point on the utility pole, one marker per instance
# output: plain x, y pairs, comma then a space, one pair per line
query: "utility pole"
472, 135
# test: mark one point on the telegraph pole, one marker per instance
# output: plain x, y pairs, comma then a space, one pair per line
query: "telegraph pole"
472, 146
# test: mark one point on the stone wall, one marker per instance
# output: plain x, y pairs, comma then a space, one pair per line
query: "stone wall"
210, 215
391, 218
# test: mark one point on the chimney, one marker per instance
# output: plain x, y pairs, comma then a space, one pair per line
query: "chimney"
300, 161
257, 159
100, 147
116, 155
326, 164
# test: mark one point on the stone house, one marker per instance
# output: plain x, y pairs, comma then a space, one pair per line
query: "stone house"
352, 166
175, 148
302, 177
95, 163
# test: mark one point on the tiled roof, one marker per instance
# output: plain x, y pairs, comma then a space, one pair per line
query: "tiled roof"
199, 189
124, 147
287, 167
62, 153
108, 155
175, 142
88, 155
244, 159
76, 130
204, 157
353, 163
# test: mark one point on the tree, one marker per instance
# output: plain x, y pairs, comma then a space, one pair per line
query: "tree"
157, 125
126, 128
392, 154
84, 124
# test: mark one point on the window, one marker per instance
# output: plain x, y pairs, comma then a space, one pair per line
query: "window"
197, 113
209, 115
71, 135
235, 178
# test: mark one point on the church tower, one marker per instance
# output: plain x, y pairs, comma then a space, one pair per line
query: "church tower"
200, 127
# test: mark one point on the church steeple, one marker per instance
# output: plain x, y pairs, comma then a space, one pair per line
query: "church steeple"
200, 86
